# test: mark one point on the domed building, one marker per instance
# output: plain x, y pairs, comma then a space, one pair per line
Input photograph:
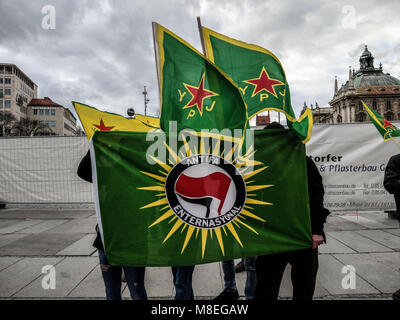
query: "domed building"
377, 89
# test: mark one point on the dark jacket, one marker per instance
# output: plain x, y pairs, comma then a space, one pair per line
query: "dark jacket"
391, 181
85, 172
316, 196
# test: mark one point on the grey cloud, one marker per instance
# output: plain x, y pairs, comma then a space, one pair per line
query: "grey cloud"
101, 52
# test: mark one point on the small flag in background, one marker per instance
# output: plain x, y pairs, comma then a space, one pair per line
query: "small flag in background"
260, 77
194, 92
95, 120
385, 128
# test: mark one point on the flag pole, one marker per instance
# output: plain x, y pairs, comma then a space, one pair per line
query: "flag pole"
201, 36
154, 27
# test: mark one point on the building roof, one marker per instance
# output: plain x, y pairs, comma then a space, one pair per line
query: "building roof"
374, 79
14, 65
46, 101
368, 79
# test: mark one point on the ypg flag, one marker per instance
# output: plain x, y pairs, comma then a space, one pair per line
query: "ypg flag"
95, 120
202, 206
193, 91
260, 77
385, 128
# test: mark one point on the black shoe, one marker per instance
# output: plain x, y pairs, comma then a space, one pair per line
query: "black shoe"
396, 295
239, 267
227, 296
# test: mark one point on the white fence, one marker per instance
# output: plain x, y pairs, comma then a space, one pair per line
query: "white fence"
350, 157
43, 170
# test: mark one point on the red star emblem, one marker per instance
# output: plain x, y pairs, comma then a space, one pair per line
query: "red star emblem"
102, 127
387, 124
264, 82
198, 95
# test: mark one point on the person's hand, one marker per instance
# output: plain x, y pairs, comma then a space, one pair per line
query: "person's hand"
317, 239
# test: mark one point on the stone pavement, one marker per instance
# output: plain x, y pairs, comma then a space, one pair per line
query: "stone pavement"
33, 238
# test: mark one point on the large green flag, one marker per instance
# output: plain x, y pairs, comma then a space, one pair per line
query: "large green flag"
193, 91
205, 205
384, 127
260, 77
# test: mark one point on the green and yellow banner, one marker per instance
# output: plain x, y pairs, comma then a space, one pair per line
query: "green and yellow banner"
384, 127
259, 76
199, 206
194, 92
94, 120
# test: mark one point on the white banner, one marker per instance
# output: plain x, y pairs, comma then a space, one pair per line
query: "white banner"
352, 159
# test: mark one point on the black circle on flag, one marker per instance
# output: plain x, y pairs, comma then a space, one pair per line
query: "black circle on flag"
205, 191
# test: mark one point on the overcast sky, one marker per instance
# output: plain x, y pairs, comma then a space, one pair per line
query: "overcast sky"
101, 52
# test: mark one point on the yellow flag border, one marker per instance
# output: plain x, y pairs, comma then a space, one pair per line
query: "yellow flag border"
206, 33
74, 103
158, 33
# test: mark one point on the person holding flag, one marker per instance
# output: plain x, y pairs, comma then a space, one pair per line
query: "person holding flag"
304, 262
112, 275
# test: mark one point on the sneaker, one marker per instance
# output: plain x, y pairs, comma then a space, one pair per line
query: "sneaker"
239, 267
396, 295
227, 296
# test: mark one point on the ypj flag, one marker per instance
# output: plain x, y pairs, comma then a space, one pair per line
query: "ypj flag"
260, 77
197, 208
384, 127
94, 120
194, 92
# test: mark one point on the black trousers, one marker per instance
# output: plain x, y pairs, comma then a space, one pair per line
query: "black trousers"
270, 270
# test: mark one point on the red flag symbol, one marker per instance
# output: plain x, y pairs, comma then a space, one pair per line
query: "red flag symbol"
214, 185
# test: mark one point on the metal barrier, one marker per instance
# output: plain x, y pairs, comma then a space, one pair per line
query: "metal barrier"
43, 170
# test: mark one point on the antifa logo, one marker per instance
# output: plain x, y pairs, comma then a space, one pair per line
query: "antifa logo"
204, 190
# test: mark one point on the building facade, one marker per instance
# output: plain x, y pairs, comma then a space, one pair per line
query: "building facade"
58, 119
16, 90
377, 89
320, 114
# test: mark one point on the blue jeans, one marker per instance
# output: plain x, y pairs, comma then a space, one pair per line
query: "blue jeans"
112, 279
251, 277
228, 268
183, 282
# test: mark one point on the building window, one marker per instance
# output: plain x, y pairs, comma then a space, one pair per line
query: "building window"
1, 104
7, 92
1, 80
53, 123
7, 80
388, 105
41, 112
360, 106
388, 117
374, 105
35, 111
360, 117
7, 104
47, 112
53, 112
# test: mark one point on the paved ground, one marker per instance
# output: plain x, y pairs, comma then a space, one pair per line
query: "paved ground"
31, 239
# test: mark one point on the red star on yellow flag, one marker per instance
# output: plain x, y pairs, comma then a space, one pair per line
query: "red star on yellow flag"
198, 95
102, 127
387, 123
264, 82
